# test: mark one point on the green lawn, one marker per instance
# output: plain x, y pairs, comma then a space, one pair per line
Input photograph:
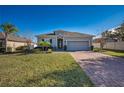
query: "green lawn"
117, 53
56, 69
114, 53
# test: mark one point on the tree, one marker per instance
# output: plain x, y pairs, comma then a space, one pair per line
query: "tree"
116, 34
109, 34
7, 28
105, 33
120, 32
45, 44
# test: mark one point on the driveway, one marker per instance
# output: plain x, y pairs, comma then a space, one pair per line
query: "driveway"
103, 70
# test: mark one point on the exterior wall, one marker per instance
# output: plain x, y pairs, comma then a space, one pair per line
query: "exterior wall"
53, 41
111, 45
38, 40
14, 45
48, 39
65, 39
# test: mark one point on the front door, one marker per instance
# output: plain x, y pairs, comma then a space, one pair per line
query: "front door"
60, 43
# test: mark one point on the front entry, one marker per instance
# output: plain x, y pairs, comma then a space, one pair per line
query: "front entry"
60, 43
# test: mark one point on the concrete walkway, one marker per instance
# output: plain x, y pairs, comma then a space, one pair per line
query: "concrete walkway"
102, 69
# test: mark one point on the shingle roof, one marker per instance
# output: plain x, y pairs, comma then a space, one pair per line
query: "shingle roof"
68, 33
14, 38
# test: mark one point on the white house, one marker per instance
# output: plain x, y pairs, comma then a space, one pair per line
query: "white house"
72, 40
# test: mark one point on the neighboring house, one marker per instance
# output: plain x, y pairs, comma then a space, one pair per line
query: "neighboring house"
14, 41
72, 40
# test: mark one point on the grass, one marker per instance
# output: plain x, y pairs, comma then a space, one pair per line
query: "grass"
45, 70
116, 53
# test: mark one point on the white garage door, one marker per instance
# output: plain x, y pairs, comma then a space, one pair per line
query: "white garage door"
77, 45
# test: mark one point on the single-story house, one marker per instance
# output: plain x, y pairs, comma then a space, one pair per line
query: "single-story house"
14, 41
72, 40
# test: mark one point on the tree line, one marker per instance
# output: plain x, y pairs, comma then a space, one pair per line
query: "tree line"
117, 34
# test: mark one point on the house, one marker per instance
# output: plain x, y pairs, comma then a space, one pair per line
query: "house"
72, 40
14, 41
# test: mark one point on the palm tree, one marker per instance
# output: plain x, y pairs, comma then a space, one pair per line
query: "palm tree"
7, 28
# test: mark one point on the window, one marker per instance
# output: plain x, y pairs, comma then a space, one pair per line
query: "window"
42, 39
51, 41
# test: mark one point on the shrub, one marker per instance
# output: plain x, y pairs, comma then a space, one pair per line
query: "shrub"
54, 48
9, 49
45, 45
21, 48
92, 47
49, 51
96, 49
65, 47
37, 51
2, 49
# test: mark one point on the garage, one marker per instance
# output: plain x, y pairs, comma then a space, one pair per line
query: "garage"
77, 45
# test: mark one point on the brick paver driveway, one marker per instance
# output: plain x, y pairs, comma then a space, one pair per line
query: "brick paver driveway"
102, 69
